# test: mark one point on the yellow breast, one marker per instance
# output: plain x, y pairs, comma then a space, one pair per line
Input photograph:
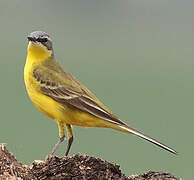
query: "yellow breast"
44, 103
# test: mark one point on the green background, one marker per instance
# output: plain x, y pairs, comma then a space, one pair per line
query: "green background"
136, 56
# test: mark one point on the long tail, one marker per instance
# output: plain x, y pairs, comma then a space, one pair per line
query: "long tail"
126, 128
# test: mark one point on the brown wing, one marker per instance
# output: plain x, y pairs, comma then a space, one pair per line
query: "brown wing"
70, 93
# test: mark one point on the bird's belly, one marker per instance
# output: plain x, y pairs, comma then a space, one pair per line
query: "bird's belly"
78, 118
45, 104
61, 112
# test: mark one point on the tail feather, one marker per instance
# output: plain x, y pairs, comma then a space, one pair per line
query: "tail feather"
143, 136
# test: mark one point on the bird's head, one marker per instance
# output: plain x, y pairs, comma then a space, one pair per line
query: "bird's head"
40, 44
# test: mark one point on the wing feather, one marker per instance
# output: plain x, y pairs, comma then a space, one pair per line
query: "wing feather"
75, 97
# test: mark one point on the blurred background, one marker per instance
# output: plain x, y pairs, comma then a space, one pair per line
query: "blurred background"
137, 57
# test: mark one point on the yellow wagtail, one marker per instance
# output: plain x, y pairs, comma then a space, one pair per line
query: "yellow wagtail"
60, 96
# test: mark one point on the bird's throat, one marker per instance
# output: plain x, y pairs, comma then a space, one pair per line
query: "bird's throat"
37, 53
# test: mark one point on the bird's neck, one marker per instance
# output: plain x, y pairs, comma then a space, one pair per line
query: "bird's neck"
37, 54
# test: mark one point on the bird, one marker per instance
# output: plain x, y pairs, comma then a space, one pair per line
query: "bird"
60, 96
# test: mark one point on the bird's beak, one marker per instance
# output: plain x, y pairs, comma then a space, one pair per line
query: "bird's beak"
31, 39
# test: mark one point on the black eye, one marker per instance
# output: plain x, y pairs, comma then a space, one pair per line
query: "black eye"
42, 40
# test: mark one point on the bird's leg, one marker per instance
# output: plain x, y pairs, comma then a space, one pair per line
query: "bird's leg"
70, 138
61, 135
